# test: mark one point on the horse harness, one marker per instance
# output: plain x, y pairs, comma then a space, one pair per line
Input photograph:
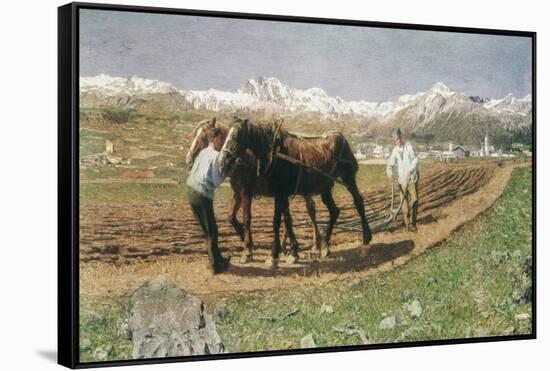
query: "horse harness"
276, 153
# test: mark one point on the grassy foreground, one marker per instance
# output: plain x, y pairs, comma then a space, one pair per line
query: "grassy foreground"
477, 284
474, 286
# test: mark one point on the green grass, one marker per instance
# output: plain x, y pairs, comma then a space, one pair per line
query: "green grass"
369, 177
470, 287
170, 138
473, 285
104, 326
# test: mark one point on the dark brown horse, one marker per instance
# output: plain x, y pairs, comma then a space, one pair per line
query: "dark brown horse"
294, 164
246, 184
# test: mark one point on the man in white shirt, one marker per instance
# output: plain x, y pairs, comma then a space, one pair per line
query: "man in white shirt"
403, 158
205, 176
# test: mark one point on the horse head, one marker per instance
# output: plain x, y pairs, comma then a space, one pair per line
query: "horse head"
235, 144
200, 140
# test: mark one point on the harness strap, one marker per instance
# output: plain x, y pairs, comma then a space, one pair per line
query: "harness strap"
292, 160
300, 172
274, 147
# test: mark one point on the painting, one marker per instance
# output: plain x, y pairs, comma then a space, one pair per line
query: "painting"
248, 184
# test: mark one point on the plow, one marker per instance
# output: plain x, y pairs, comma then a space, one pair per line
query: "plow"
355, 225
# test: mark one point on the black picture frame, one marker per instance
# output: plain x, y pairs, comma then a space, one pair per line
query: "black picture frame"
68, 178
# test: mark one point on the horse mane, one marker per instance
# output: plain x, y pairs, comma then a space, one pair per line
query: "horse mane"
199, 125
260, 132
256, 137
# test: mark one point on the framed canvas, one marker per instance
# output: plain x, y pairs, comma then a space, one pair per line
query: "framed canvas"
240, 185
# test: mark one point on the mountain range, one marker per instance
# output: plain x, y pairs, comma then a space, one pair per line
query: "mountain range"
441, 111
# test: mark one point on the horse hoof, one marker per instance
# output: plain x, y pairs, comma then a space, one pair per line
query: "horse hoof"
367, 240
272, 263
325, 249
291, 259
245, 259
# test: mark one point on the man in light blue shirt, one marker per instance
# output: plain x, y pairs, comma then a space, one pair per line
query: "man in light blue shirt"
205, 176
403, 158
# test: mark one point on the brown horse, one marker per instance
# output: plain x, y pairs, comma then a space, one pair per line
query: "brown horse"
246, 184
294, 164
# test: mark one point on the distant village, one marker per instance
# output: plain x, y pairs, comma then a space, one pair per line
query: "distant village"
452, 153
363, 151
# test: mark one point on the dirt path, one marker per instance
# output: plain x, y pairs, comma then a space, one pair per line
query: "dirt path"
123, 246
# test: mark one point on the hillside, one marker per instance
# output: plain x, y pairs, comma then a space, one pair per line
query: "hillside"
441, 111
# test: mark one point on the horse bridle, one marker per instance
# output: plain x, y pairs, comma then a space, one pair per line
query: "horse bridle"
231, 155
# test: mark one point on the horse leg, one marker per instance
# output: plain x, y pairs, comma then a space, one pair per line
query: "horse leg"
358, 201
284, 240
247, 220
273, 262
234, 207
295, 246
310, 205
334, 212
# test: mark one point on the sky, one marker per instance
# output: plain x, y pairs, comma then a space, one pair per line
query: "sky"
355, 63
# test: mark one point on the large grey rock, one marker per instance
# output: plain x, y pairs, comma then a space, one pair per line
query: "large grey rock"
166, 321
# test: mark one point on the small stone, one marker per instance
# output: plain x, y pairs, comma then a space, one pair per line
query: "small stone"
509, 330
481, 332
522, 317
326, 309
387, 323
291, 259
85, 344
415, 309
286, 344
102, 353
308, 342
122, 328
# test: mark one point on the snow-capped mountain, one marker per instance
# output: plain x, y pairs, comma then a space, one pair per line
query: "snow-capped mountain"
510, 104
437, 100
271, 95
262, 94
108, 85
439, 110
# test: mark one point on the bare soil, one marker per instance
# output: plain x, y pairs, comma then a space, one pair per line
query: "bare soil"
121, 246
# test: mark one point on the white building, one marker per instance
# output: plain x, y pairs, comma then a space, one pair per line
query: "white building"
359, 155
486, 149
381, 151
